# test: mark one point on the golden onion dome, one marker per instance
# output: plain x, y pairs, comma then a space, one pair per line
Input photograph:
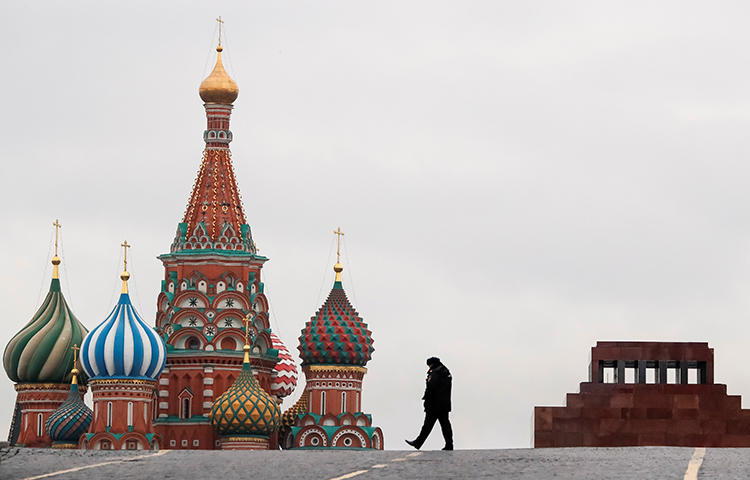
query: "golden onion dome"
219, 87
245, 408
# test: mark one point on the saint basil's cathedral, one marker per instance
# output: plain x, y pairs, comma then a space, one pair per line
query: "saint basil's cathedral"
210, 373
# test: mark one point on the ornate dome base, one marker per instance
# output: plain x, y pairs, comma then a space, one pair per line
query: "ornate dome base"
244, 442
64, 444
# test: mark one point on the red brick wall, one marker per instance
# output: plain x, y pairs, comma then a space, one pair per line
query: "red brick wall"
607, 415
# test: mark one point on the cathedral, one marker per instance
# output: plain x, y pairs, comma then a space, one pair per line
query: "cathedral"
209, 373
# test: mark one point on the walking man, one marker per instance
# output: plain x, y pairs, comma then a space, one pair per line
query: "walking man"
437, 404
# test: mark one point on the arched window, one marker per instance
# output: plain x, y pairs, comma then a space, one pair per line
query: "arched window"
228, 343
343, 402
109, 414
193, 344
322, 403
130, 414
145, 413
185, 410
39, 425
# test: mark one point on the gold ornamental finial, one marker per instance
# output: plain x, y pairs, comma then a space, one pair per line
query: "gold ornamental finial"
56, 259
246, 347
218, 87
75, 349
124, 276
338, 268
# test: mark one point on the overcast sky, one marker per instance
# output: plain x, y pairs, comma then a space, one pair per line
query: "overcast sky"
516, 180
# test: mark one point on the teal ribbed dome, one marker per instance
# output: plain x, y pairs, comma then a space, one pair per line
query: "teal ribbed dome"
41, 351
70, 420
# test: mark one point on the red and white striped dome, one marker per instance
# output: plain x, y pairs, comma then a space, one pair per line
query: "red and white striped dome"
284, 374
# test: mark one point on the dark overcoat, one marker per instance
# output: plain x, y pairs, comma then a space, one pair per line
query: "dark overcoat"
437, 393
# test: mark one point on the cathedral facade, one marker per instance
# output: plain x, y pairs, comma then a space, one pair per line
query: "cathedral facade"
210, 373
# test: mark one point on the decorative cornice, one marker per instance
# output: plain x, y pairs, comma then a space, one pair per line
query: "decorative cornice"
121, 381
46, 386
248, 438
64, 445
334, 368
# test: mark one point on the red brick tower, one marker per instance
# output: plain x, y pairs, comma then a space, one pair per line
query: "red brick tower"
335, 346
212, 280
123, 357
38, 359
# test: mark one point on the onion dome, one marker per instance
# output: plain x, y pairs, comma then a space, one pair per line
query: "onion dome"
219, 87
245, 408
289, 417
71, 419
123, 345
336, 334
40, 352
284, 374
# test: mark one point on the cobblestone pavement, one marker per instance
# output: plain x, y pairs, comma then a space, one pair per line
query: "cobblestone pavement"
526, 464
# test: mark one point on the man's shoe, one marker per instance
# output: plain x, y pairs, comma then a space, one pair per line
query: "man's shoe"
412, 443
448, 447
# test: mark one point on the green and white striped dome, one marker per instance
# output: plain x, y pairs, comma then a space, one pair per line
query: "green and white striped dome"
41, 352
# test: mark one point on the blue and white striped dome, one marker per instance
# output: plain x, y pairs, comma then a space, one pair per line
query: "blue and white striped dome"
123, 346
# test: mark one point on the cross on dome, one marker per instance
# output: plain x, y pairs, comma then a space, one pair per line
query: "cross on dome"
246, 347
338, 268
220, 22
124, 276
56, 259
75, 349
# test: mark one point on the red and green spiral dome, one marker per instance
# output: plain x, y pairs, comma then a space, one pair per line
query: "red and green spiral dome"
336, 335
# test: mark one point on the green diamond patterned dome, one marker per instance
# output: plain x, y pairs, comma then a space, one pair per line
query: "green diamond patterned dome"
336, 334
245, 408
40, 352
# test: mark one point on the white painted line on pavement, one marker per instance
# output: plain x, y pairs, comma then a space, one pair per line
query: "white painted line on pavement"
76, 469
360, 472
350, 475
695, 464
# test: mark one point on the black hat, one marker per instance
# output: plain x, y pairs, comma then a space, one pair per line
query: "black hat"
433, 361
